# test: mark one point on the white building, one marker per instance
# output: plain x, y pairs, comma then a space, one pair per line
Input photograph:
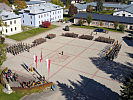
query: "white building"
12, 21
33, 16
126, 12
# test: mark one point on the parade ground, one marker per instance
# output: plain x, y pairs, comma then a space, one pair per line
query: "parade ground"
81, 71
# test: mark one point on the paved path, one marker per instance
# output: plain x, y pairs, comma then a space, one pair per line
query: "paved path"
80, 72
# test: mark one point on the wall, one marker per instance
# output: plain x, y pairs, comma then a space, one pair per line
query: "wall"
12, 26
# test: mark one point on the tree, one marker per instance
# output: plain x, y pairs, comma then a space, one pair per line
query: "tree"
116, 23
127, 89
89, 19
101, 23
122, 27
72, 10
99, 6
89, 8
81, 21
2, 52
20, 4
57, 2
5, 1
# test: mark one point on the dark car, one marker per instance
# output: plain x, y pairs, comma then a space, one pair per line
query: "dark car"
66, 28
100, 30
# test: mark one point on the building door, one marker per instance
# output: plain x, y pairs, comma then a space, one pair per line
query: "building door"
123, 15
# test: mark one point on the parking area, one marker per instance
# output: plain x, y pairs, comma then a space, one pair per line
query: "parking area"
80, 67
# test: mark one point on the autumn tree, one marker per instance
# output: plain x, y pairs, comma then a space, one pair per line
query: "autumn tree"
101, 23
116, 23
81, 21
99, 6
5, 1
20, 4
72, 10
89, 8
57, 2
89, 19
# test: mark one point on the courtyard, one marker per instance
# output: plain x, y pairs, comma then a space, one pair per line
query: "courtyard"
81, 72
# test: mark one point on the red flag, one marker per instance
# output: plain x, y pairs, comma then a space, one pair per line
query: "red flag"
49, 66
41, 57
36, 61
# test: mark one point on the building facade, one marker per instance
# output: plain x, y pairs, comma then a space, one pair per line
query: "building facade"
12, 21
101, 20
33, 16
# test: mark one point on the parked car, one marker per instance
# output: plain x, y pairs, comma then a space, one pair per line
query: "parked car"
100, 30
66, 28
129, 37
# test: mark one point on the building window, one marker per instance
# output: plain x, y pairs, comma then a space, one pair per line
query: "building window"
47, 14
11, 29
53, 13
129, 15
111, 24
31, 17
23, 16
31, 22
93, 22
96, 22
15, 28
39, 16
10, 22
44, 15
14, 21
39, 22
6, 31
123, 15
23, 21
106, 23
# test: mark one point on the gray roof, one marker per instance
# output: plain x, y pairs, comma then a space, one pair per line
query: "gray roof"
34, 2
107, 18
113, 5
6, 15
4, 6
36, 9
127, 9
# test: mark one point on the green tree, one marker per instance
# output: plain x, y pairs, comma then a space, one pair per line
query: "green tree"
122, 27
81, 21
2, 53
89, 8
116, 23
99, 6
101, 23
72, 10
57, 2
89, 19
126, 92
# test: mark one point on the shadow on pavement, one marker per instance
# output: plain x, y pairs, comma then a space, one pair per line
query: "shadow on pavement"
87, 89
128, 42
117, 70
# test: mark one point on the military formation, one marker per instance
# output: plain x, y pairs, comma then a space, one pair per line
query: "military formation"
18, 48
113, 51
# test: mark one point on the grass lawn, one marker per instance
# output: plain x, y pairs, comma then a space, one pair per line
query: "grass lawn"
94, 27
29, 33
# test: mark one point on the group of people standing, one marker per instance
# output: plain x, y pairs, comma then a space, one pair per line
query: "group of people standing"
18, 48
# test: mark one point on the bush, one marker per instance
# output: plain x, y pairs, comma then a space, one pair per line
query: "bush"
87, 37
50, 36
122, 27
46, 24
2, 39
70, 35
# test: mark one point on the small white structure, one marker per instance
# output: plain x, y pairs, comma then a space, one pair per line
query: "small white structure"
126, 12
8, 89
12, 21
